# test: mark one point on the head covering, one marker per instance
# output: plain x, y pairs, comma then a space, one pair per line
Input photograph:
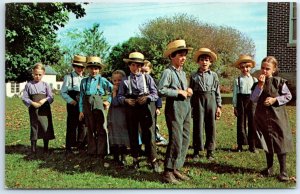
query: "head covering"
244, 59
94, 61
176, 46
204, 51
79, 60
135, 57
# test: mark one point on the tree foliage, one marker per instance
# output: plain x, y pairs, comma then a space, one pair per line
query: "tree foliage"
226, 42
30, 35
86, 42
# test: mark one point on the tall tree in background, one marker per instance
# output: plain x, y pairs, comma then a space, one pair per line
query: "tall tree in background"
30, 35
86, 42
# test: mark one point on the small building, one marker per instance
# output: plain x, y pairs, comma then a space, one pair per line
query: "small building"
16, 89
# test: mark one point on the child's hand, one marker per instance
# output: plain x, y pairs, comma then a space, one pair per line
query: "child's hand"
106, 105
41, 102
235, 111
73, 102
269, 101
130, 101
142, 100
261, 80
81, 116
218, 113
183, 93
36, 104
157, 111
190, 92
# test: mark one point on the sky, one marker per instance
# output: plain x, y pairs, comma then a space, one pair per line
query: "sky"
120, 20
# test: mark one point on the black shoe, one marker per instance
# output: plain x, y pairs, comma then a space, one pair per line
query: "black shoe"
69, 152
267, 172
253, 150
168, 177
210, 155
136, 164
239, 149
283, 177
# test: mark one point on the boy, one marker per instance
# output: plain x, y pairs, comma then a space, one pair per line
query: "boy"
173, 85
91, 107
243, 107
70, 91
136, 92
37, 96
206, 102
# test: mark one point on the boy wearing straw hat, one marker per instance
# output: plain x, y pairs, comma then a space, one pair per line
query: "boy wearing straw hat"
91, 107
136, 92
243, 106
173, 85
206, 103
70, 91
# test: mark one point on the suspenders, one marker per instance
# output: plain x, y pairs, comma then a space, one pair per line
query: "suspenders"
98, 86
239, 83
144, 84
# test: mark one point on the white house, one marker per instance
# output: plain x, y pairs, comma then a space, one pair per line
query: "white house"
16, 89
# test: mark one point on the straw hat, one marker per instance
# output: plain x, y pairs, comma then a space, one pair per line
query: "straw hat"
79, 60
94, 61
244, 59
176, 46
204, 51
135, 57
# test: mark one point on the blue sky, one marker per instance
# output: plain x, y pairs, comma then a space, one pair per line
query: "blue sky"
120, 20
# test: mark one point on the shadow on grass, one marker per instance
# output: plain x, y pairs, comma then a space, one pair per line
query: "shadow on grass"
56, 159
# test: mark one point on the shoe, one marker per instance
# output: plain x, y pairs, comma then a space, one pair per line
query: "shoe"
253, 150
210, 155
283, 177
180, 176
168, 177
122, 163
155, 167
239, 149
136, 164
162, 142
267, 172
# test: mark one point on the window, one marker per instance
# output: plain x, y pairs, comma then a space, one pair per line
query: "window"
51, 85
58, 86
293, 24
14, 87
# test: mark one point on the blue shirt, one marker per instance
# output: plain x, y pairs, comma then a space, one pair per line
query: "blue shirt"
94, 85
67, 85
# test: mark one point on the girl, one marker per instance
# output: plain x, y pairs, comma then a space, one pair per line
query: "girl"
271, 94
117, 127
37, 96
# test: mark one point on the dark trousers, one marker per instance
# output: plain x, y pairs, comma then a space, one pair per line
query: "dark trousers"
140, 116
178, 119
245, 125
204, 114
95, 121
76, 131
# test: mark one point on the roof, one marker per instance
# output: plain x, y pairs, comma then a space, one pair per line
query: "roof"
50, 70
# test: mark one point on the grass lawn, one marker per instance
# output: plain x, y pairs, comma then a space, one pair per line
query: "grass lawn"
56, 171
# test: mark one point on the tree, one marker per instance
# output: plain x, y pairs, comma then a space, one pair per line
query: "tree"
30, 35
86, 42
226, 42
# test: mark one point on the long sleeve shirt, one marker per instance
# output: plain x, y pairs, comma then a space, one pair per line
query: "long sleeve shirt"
171, 81
32, 88
207, 81
94, 85
283, 99
244, 87
68, 86
137, 87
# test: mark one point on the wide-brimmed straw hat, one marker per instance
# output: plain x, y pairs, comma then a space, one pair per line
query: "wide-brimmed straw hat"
204, 51
79, 61
176, 46
94, 61
135, 57
244, 59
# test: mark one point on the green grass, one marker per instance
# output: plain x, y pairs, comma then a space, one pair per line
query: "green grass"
55, 171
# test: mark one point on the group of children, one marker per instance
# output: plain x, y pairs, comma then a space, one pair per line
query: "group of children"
134, 104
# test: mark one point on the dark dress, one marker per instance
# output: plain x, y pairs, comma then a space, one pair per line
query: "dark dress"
272, 121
